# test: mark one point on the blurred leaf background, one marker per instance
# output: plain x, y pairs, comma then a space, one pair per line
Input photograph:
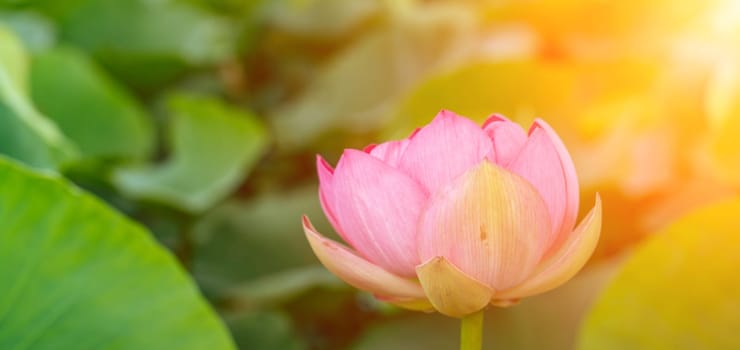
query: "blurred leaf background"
197, 122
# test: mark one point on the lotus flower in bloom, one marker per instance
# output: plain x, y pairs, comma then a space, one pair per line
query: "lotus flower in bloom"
456, 216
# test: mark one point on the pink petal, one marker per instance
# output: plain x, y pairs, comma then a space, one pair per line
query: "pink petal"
378, 206
494, 118
572, 191
564, 263
487, 222
389, 152
357, 271
444, 149
508, 139
545, 163
326, 192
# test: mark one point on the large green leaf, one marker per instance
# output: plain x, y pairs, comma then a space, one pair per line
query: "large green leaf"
77, 275
145, 42
680, 290
184, 32
240, 242
25, 134
102, 118
213, 147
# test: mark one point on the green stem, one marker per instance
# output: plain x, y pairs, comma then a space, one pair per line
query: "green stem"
471, 332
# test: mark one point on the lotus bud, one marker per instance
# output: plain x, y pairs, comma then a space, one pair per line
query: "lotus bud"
456, 217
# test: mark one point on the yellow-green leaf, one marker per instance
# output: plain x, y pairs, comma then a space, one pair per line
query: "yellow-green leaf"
680, 290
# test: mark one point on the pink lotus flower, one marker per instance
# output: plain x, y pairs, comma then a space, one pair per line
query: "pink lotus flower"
456, 216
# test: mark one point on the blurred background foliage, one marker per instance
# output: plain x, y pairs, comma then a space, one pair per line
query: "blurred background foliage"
199, 121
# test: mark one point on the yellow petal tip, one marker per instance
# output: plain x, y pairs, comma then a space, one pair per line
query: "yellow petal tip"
452, 292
